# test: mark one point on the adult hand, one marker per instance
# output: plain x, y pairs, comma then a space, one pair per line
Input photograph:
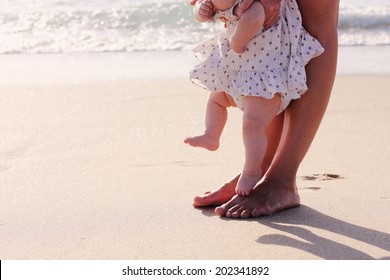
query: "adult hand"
271, 8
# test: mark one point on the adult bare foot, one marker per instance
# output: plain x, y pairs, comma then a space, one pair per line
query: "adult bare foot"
267, 198
203, 141
218, 196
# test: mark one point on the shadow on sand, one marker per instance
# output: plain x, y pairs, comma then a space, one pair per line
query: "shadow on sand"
292, 222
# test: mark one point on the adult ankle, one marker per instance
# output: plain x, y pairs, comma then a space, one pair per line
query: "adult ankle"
284, 179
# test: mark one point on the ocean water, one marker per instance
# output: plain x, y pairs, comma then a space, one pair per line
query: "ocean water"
96, 26
109, 40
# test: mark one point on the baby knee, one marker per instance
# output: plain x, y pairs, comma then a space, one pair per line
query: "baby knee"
223, 99
253, 122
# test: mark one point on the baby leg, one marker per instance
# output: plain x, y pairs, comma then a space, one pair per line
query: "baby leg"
258, 114
215, 120
249, 24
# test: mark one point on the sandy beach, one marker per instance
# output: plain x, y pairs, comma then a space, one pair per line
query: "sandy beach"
98, 170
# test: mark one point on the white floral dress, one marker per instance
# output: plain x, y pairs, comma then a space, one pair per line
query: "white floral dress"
274, 60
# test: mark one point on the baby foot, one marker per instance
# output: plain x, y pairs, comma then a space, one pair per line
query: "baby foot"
203, 141
247, 182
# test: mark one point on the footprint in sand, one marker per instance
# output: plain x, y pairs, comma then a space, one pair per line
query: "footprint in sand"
4, 167
322, 177
312, 188
14, 154
7, 158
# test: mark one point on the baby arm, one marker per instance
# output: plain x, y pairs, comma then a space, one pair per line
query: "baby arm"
249, 24
203, 10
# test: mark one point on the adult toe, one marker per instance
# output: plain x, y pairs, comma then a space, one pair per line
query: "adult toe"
202, 200
226, 207
246, 213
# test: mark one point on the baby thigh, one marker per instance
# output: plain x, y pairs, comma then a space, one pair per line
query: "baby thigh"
259, 111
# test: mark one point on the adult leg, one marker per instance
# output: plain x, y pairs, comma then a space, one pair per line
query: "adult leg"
215, 120
277, 190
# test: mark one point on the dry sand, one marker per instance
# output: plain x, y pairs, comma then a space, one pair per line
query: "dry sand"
99, 171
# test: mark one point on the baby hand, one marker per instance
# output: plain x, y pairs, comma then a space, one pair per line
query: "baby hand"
204, 10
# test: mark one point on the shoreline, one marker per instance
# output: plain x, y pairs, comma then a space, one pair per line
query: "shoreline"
95, 67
